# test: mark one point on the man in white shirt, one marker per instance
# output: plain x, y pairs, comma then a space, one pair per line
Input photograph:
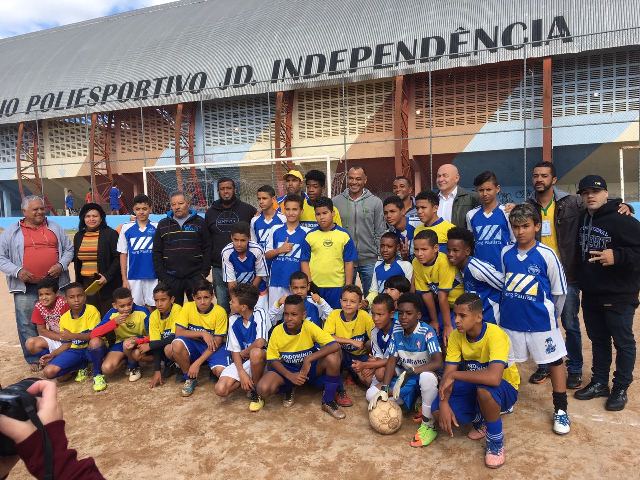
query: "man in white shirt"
455, 201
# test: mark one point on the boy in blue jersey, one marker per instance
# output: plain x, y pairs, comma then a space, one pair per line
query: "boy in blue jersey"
489, 222
328, 254
389, 266
427, 203
201, 329
532, 299
480, 379
78, 348
247, 342
316, 307
477, 276
262, 225
300, 352
382, 310
284, 248
243, 261
414, 359
400, 225
135, 245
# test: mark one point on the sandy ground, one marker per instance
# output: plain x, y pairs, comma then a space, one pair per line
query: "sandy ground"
131, 430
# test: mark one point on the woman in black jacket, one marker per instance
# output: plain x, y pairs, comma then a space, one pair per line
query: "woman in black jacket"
95, 255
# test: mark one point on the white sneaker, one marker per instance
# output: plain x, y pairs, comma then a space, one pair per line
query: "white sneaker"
561, 422
135, 374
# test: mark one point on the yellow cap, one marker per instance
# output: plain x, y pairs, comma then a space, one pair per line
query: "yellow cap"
294, 173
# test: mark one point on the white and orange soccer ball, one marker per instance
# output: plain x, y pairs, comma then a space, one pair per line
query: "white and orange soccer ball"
386, 417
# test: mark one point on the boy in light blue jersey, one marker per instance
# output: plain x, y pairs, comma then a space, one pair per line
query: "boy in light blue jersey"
316, 307
382, 312
262, 225
389, 266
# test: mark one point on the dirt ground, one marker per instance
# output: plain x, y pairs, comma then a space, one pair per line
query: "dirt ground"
133, 431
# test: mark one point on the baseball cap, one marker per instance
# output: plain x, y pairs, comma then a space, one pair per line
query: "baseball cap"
294, 173
592, 181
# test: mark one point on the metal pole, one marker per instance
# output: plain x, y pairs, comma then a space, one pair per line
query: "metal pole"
430, 132
344, 126
144, 147
329, 179
621, 166
523, 98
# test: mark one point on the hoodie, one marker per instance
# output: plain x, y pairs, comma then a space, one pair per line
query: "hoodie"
607, 229
364, 220
220, 219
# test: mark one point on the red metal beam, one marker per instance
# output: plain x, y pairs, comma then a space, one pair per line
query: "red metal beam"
402, 162
100, 155
547, 109
185, 129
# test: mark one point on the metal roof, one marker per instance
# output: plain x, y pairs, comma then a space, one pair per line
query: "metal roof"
180, 51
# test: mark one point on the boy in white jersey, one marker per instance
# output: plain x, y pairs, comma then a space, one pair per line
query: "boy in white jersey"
316, 307
389, 266
382, 310
532, 299
262, 225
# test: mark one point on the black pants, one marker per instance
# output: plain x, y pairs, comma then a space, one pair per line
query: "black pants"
183, 286
604, 323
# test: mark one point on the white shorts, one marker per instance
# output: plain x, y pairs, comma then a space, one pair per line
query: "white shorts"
263, 302
542, 347
142, 292
232, 371
276, 293
51, 344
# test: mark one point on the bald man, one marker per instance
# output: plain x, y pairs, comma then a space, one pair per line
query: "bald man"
455, 201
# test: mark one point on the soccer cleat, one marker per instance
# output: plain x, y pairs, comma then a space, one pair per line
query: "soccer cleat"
402, 378
288, 399
494, 458
617, 400
99, 383
561, 422
82, 375
424, 436
343, 399
477, 433
333, 409
189, 386
417, 416
593, 390
135, 374
540, 375
508, 411
257, 402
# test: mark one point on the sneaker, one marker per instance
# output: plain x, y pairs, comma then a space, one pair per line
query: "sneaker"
561, 422
82, 375
168, 370
494, 458
617, 400
257, 402
99, 383
333, 409
189, 386
402, 378
508, 411
574, 381
540, 375
343, 399
592, 390
288, 399
424, 436
135, 374
212, 377
477, 433
127, 371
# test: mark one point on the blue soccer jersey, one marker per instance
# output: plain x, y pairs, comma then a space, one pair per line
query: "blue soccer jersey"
491, 232
381, 342
283, 265
407, 234
315, 312
531, 280
383, 271
415, 349
244, 270
261, 228
241, 336
138, 245
485, 281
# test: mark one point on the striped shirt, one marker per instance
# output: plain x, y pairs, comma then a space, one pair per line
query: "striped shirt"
88, 254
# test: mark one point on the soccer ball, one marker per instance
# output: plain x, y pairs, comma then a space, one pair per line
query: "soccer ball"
386, 417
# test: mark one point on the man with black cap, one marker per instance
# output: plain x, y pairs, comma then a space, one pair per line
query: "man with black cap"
609, 276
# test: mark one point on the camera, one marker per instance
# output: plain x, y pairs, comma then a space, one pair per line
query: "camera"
15, 401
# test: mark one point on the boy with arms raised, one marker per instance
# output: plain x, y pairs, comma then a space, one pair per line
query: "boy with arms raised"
533, 295
427, 203
487, 383
300, 352
262, 225
315, 181
389, 266
246, 341
316, 307
399, 225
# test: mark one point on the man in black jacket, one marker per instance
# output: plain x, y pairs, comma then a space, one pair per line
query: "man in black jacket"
181, 248
221, 216
609, 276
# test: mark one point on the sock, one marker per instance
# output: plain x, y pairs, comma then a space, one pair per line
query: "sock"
428, 392
559, 401
495, 437
331, 385
131, 364
97, 355
478, 421
185, 376
340, 385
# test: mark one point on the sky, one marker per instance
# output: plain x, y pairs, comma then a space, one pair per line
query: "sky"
24, 16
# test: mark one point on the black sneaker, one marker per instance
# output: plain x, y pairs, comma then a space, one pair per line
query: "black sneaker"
540, 375
591, 391
574, 381
617, 400
169, 369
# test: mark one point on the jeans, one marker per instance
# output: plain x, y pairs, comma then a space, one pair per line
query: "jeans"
222, 292
571, 324
366, 276
604, 323
24, 303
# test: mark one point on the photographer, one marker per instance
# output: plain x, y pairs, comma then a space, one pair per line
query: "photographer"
29, 440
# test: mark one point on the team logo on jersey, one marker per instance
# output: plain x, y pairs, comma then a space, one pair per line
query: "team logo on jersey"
534, 269
549, 346
141, 243
521, 285
489, 233
328, 243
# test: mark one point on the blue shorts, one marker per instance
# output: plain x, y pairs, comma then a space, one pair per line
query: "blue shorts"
117, 347
409, 392
219, 358
464, 403
313, 377
348, 358
331, 295
71, 360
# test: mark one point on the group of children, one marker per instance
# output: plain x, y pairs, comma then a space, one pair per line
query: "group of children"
450, 312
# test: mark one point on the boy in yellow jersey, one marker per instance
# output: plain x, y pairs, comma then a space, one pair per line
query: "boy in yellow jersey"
427, 207
328, 254
201, 329
315, 181
485, 386
78, 348
300, 352
351, 328
433, 275
127, 320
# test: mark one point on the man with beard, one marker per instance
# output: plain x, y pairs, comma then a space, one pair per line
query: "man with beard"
221, 216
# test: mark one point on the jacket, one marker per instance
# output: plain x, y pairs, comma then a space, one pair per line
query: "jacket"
181, 252
607, 229
108, 259
12, 252
462, 204
364, 220
219, 221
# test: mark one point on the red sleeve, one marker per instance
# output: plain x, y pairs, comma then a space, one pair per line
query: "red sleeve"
102, 330
36, 316
140, 341
65, 461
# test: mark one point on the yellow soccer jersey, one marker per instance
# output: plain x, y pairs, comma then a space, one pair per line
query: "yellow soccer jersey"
440, 275
548, 234
491, 346
292, 349
441, 227
159, 327
327, 253
215, 322
357, 329
308, 216
86, 322
136, 324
